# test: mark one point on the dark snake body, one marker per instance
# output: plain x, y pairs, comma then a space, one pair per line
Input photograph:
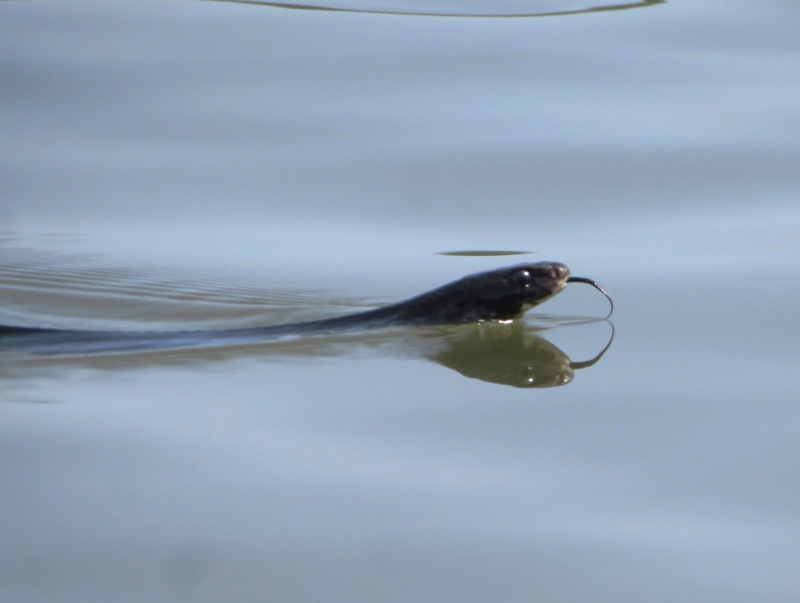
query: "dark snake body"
502, 294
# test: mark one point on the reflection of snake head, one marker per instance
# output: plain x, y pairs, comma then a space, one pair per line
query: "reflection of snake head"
502, 294
507, 354
510, 354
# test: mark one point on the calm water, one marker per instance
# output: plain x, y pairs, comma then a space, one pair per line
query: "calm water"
217, 164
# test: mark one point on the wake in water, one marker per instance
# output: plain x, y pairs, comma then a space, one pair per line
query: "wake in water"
500, 295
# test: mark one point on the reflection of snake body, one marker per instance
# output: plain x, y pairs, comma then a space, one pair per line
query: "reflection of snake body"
502, 294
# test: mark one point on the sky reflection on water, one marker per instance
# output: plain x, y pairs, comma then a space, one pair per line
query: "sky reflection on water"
181, 163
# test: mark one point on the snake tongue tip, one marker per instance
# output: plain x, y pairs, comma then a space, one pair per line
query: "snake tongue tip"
588, 281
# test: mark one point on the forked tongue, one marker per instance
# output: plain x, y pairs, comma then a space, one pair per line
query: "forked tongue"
588, 281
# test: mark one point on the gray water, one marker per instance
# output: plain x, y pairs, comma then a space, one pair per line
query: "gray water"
193, 165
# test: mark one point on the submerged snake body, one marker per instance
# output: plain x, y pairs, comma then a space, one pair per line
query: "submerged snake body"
502, 294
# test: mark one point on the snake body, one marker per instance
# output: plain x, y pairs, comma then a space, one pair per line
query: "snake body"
501, 295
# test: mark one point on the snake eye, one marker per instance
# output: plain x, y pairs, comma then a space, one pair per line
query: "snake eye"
522, 277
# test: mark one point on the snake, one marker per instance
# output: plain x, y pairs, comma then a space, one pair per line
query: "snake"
501, 295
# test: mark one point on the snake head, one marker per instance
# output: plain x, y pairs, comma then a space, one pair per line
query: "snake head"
502, 294
529, 285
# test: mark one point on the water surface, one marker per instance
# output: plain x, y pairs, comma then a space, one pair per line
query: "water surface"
214, 164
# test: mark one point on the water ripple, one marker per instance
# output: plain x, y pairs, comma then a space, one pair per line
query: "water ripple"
461, 8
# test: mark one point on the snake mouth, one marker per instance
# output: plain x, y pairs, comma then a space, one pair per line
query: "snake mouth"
588, 281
